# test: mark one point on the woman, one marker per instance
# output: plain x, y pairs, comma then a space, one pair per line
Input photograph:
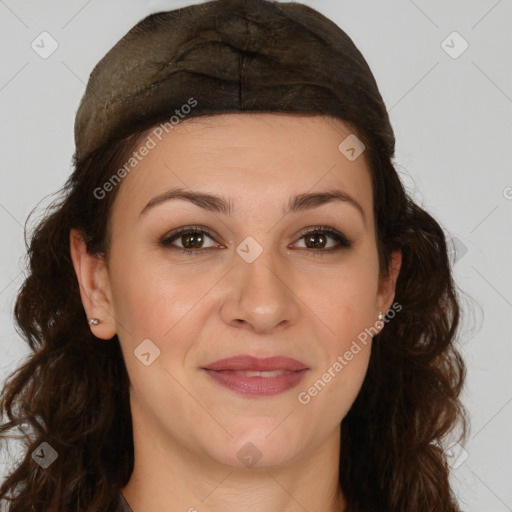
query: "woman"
235, 305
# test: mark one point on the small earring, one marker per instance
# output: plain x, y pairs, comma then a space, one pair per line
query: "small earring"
380, 317
94, 321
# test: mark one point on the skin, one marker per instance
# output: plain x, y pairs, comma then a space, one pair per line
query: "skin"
203, 307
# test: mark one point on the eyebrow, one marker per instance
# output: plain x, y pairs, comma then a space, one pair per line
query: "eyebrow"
225, 206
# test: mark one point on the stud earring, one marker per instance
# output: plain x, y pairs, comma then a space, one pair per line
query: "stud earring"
380, 317
94, 321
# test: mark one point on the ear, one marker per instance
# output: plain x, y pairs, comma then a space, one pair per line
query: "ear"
93, 280
387, 285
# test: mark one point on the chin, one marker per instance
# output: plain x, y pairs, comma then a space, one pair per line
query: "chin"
257, 449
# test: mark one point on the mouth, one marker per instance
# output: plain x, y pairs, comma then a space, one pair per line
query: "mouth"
245, 363
251, 376
271, 373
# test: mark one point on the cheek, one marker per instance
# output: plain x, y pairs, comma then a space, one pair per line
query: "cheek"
345, 300
332, 392
167, 304
149, 295
344, 350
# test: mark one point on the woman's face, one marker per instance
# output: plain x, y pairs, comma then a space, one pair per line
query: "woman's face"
253, 283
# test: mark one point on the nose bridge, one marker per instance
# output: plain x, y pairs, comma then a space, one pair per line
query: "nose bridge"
260, 266
262, 297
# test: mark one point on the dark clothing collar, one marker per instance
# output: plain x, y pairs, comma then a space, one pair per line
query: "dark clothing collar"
122, 505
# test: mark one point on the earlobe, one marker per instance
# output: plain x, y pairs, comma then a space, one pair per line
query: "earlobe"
94, 284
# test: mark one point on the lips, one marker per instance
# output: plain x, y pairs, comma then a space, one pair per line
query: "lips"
248, 375
255, 364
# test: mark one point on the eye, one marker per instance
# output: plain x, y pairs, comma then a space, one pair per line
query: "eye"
316, 239
192, 239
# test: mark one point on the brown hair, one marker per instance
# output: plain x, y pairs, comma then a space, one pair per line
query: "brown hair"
73, 391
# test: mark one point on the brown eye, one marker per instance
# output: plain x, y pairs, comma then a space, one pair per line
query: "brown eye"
192, 240
189, 239
317, 240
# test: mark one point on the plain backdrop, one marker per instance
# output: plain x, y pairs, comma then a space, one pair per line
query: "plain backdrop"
450, 107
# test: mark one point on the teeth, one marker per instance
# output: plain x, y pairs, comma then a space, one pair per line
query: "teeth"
273, 373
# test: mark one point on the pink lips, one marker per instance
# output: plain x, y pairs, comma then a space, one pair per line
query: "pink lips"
231, 373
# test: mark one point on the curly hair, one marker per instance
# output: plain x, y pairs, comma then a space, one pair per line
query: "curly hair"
73, 390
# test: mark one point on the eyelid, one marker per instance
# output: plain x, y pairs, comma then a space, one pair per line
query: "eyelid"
166, 239
323, 228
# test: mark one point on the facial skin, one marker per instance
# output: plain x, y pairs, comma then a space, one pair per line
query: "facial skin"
198, 308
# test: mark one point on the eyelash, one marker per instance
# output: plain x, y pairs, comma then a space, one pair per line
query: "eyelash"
343, 242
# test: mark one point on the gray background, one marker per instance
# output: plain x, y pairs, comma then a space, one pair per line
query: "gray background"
453, 123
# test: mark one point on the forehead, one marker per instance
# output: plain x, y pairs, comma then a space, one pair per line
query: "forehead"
252, 158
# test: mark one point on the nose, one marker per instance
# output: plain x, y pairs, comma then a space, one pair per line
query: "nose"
260, 295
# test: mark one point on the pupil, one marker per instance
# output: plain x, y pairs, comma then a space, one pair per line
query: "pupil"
315, 245
192, 240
